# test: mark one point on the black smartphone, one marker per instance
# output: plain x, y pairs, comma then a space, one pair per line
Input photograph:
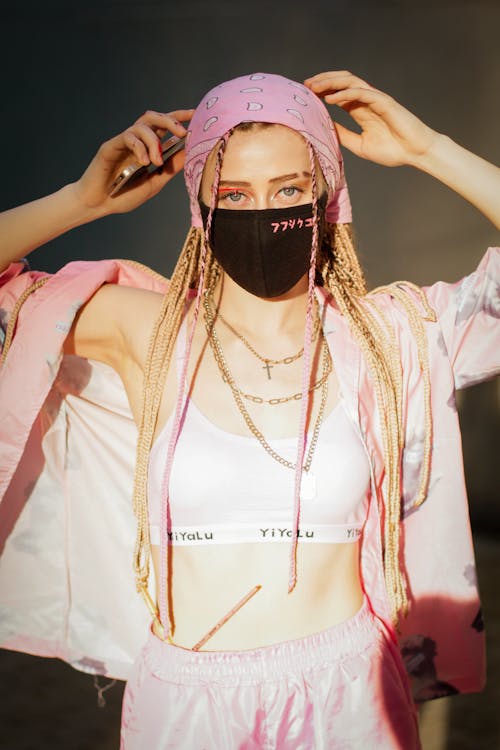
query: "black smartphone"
132, 171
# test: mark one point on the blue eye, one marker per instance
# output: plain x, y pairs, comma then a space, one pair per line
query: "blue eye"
233, 196
290, 191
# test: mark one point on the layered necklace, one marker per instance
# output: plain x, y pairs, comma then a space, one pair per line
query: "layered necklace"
269, 363
308, 485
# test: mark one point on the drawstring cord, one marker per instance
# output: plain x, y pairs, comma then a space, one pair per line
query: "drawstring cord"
292, 573
165, 522
101, 701
181, 403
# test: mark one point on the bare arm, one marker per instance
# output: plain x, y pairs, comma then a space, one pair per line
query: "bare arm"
113, 326
26, 227
474, 178
391, 135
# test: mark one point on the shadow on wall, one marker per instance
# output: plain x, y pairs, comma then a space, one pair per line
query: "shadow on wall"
472, 721
479, 413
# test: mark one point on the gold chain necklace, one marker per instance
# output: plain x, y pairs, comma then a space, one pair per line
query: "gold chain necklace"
284, 399
268, 362
222, 364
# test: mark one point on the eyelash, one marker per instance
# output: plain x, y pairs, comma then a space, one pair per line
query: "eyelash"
228, 195
292, 187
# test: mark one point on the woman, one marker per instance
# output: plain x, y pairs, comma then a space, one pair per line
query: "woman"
266, 325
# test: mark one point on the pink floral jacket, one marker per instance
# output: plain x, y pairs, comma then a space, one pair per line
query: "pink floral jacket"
67, 438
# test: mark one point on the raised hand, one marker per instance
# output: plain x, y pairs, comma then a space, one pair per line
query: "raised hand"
26, 227
138, 143
390, 134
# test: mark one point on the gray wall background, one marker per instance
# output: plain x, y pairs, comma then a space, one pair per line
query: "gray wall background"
75, 73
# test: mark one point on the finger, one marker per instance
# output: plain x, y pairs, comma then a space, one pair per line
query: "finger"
171, 121
335, 80
171, 167
174, 164
150, 140
377, 99
327, 86
155, 181
327, 74
136, 146
349, 139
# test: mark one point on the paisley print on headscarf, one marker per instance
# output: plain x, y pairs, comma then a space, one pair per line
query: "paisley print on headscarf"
265, 97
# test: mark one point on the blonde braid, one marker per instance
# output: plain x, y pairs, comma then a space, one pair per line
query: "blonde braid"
341, 273
415, 318
11, 325
161, 346
343, 277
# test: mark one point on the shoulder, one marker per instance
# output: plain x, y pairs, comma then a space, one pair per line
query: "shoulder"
121, 302
134, 312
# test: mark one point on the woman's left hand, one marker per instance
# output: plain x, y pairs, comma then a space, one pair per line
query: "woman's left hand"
390, 134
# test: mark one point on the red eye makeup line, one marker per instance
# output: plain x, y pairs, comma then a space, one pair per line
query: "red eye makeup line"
224, 190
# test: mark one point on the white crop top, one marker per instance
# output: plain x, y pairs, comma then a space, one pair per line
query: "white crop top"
225, 488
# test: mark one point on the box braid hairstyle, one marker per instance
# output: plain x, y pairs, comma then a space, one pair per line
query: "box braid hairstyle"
333, 265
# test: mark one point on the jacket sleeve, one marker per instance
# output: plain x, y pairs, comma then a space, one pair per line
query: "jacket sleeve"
468, 312
17, 281
67, 442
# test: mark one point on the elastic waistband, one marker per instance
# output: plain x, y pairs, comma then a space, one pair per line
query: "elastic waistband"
180, 665
266, 532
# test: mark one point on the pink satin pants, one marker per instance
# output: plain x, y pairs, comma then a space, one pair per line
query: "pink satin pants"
341, 689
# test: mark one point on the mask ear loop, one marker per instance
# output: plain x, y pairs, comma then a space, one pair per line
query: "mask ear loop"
166, 520
301, 448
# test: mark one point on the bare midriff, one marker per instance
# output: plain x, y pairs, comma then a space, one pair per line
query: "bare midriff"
207, 582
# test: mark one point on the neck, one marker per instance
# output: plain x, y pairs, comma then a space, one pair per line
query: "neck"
285, 314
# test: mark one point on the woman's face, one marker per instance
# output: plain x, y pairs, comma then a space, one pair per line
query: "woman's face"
265, 167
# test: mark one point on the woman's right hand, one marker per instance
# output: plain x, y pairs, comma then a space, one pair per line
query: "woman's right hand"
138, 143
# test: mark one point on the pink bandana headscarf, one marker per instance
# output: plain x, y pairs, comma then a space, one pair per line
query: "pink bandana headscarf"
264, 97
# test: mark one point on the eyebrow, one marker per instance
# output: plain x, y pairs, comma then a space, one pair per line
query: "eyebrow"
281, 178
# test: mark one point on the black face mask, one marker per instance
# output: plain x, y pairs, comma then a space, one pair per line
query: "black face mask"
266, 251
